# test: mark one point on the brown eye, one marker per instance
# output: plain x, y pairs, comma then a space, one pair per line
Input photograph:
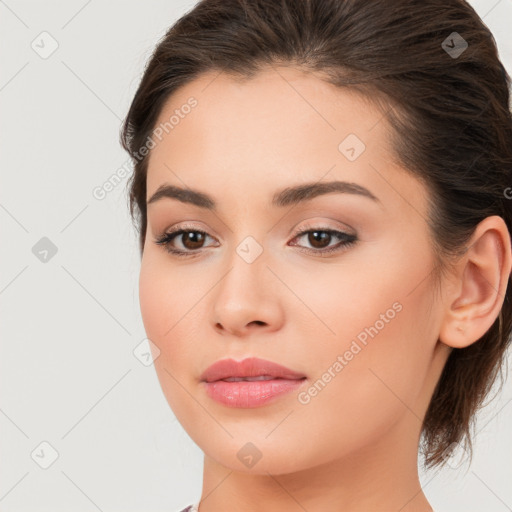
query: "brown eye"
192, 239
319, 239
188, 240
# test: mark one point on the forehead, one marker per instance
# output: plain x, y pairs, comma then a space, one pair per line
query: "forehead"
281, 109
281, 126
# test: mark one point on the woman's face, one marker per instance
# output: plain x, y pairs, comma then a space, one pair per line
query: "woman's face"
361, 322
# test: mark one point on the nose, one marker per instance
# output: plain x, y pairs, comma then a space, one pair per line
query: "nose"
247, 299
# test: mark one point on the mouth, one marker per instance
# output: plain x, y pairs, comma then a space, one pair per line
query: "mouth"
249, 383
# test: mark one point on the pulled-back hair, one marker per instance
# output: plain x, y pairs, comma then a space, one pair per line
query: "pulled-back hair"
447, 106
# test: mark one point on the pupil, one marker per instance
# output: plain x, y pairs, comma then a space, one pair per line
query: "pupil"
190, 238
316, 236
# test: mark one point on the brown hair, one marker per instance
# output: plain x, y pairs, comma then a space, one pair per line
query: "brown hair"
447, 105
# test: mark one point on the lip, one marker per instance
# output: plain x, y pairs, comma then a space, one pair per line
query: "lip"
249, 367
248, 394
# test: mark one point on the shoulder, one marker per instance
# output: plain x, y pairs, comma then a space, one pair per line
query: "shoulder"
190, 508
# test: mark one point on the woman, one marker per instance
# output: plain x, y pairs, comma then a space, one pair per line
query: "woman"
320, 189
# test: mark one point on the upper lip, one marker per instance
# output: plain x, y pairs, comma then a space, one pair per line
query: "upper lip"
250, 367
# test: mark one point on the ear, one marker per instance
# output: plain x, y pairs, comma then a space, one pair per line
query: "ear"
480, 282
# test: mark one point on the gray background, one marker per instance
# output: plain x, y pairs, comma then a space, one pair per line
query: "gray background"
70, 324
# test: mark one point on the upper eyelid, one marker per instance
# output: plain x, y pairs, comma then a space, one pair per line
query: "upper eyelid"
309, 225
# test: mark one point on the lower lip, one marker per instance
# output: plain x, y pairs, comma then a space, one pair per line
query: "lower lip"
247, 394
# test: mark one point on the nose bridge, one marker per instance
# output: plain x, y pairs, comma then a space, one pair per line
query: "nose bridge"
245, 294
248, 269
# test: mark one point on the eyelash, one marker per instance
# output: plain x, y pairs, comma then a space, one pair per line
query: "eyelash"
349, 240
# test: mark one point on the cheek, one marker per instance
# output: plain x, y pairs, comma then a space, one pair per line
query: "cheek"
359, 396
376, 344
153, 303
165, 305
164, 296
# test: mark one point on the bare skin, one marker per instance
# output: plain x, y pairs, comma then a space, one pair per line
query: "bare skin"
352, 446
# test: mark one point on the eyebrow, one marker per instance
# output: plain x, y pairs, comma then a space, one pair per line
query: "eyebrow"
286, 197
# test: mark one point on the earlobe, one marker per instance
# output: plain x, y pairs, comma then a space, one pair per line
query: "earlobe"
482, 276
